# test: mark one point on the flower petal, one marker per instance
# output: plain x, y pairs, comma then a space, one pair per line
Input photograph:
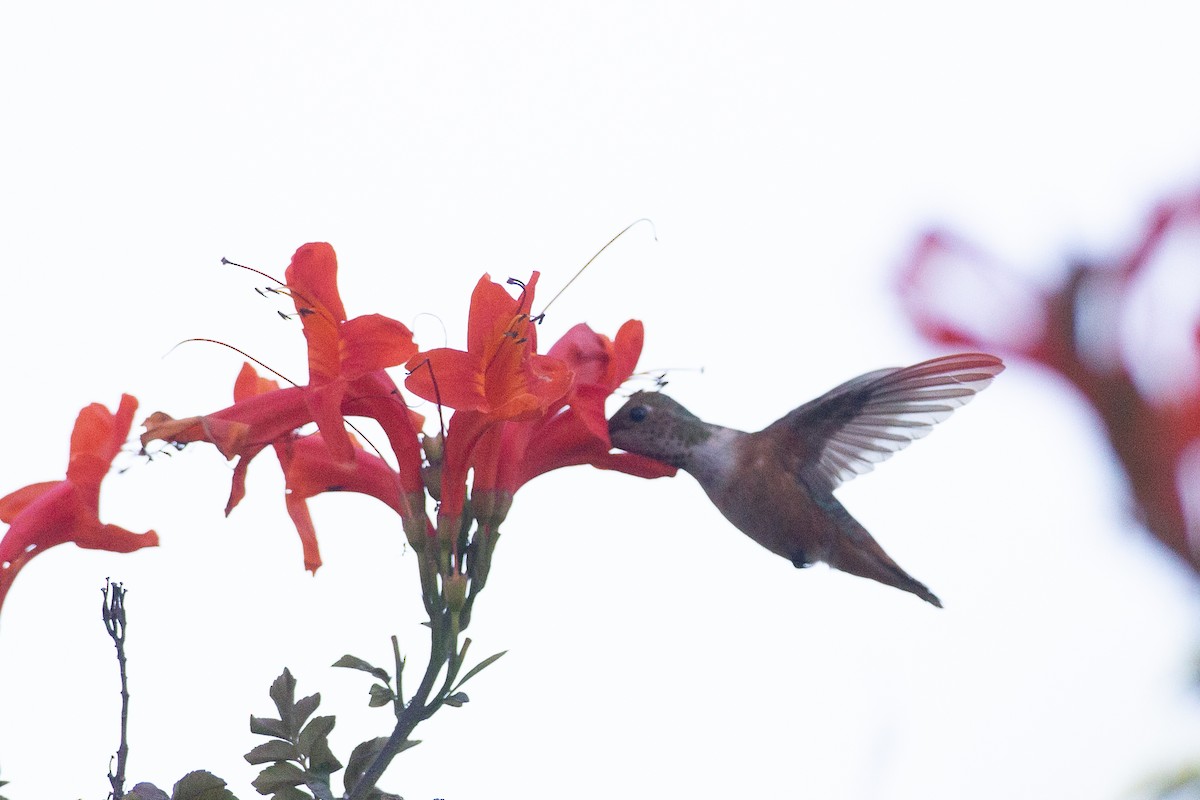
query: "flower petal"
312, 281
446, 376
374, 342
14, 503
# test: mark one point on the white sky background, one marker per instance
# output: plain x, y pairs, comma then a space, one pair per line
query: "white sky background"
788, 155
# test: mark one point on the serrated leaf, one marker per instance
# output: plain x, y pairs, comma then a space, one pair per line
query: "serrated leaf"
277, 750
304, 708
457, 699
283, 692
201, 785
480, 667
322, 761
278, 776
314, 732
354, 662
380, 695
360, 758
265, 726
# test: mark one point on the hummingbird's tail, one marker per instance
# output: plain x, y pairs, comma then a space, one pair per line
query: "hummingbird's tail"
856, 551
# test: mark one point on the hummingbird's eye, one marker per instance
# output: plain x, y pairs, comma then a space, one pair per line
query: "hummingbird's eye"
638, 413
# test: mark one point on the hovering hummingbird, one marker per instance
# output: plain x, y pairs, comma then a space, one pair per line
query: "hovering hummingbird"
777, 485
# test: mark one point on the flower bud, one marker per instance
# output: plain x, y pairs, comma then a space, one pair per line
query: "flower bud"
490, 507
454, 588
481, 565
418, 531
432, 476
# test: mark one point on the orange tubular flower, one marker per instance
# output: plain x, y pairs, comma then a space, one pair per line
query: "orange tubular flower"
347, 359
499, 377
309, 466
310, 469
574, 430
43, 515
341, 352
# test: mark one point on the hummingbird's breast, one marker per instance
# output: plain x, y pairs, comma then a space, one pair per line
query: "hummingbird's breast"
751, 483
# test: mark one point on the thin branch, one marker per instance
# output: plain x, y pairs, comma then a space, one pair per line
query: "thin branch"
113, 612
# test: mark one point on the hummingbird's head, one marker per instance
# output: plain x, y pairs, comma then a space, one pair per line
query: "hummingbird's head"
653, 425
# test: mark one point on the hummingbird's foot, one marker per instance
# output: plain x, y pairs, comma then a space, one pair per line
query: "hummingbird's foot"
800, 561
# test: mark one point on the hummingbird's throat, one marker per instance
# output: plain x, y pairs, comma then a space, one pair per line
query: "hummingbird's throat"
680, 441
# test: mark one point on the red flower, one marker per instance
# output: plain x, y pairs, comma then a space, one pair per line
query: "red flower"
347, 359
1146, 392
574, 430
310, 469
43, 515
499, 377
309, 466
500, 373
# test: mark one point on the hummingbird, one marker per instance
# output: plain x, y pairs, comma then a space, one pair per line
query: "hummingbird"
776, 485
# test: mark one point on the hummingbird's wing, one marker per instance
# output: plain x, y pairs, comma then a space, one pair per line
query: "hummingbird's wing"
848, 430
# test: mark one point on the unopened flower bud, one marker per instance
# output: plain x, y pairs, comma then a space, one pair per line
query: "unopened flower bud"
418, 531
432, 476
490, 507
454, 588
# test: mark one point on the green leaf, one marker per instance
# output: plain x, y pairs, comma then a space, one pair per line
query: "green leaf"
380, 695
480, 667
201, 785
313, 733
457, 699
321, 761
354, 662
291, 793
283, 692
278, 776
304, 708
266, 726
273, 751
361, 758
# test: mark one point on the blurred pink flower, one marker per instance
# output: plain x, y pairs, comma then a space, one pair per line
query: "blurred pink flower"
1124, 331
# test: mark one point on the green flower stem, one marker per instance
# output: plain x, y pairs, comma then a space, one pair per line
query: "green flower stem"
483, 545
443, 648
449, 606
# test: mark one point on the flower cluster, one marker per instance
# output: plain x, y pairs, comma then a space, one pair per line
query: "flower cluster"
517, 414
1121, 331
